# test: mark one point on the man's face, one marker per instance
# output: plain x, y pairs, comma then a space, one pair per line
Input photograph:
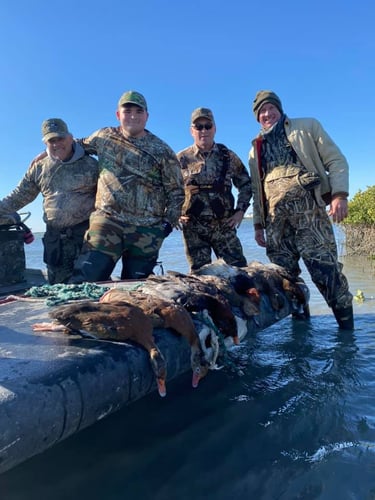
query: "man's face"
132, 119
203, 132
60, 148
268, 115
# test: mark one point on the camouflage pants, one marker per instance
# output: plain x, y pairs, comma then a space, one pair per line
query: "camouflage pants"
70, 244
297, 227
137, 245
202, 236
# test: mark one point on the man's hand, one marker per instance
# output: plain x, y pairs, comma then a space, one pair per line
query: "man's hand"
338, 209
192, 189
235, 220
259, 237
184, 219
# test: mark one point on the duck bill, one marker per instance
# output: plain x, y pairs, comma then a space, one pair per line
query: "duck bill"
195, 380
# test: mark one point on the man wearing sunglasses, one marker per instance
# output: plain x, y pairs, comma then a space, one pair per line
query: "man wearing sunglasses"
209, 215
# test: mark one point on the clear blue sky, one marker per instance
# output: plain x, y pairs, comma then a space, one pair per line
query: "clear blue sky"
73, 60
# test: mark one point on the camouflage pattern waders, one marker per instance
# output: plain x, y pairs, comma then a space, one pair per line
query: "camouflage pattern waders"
209, 202
203, 235
61, 249
297, 227
139, 246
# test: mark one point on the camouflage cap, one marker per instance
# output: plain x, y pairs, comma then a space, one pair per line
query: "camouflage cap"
54, 127
264, 96
132, 97
202, 113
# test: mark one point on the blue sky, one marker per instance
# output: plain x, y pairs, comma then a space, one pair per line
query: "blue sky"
74, 59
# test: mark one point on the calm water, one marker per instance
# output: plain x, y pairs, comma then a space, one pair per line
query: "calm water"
293, 418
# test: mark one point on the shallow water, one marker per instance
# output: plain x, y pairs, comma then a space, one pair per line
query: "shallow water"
290, 417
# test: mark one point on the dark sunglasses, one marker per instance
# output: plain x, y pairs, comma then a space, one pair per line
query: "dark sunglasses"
206, 126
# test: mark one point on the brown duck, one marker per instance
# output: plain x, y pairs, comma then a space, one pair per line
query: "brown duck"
166, 314
194, 295
119, 322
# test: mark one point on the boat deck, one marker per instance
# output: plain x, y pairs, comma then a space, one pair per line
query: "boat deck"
32, 277
52, 385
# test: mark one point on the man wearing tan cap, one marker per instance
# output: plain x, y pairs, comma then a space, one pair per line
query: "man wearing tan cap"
295, 166
67, 178
139, 197
209, 216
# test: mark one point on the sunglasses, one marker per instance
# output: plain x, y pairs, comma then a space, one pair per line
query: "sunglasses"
206, 126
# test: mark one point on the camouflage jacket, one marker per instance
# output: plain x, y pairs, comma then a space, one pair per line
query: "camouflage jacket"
140, 181
206, 171
68, 189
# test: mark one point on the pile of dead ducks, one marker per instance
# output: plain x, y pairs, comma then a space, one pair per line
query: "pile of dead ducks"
217, 300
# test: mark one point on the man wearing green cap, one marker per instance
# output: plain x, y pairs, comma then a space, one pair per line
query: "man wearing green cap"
295, 168
139, 196
66, 177
209, 216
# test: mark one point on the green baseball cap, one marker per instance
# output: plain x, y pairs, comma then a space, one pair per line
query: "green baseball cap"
54, 127
132, 97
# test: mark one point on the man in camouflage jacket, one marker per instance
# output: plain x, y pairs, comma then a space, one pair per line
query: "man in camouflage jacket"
295, 167
139, 196
67, 178
209, 217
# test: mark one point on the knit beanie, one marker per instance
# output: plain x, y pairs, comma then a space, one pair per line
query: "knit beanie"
264, 96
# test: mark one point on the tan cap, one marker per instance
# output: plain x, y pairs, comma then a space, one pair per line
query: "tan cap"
202, 113
54, 127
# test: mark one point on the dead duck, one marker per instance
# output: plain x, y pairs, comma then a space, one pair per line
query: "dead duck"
294, 287
256, 279
195, 295
248, 302
166, 314
283, 285
236, 284
119, 322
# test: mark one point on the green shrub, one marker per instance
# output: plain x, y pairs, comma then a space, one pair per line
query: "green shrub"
362, 208
359, 226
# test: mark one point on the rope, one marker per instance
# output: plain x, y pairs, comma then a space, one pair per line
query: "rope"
60, 293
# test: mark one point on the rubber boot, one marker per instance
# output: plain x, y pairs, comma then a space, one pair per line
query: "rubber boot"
344, 317
136, 268
303, 313
92, 266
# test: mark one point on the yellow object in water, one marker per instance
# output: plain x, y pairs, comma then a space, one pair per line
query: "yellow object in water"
360, 297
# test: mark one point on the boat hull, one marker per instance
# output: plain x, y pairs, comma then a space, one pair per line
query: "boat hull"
53, 385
